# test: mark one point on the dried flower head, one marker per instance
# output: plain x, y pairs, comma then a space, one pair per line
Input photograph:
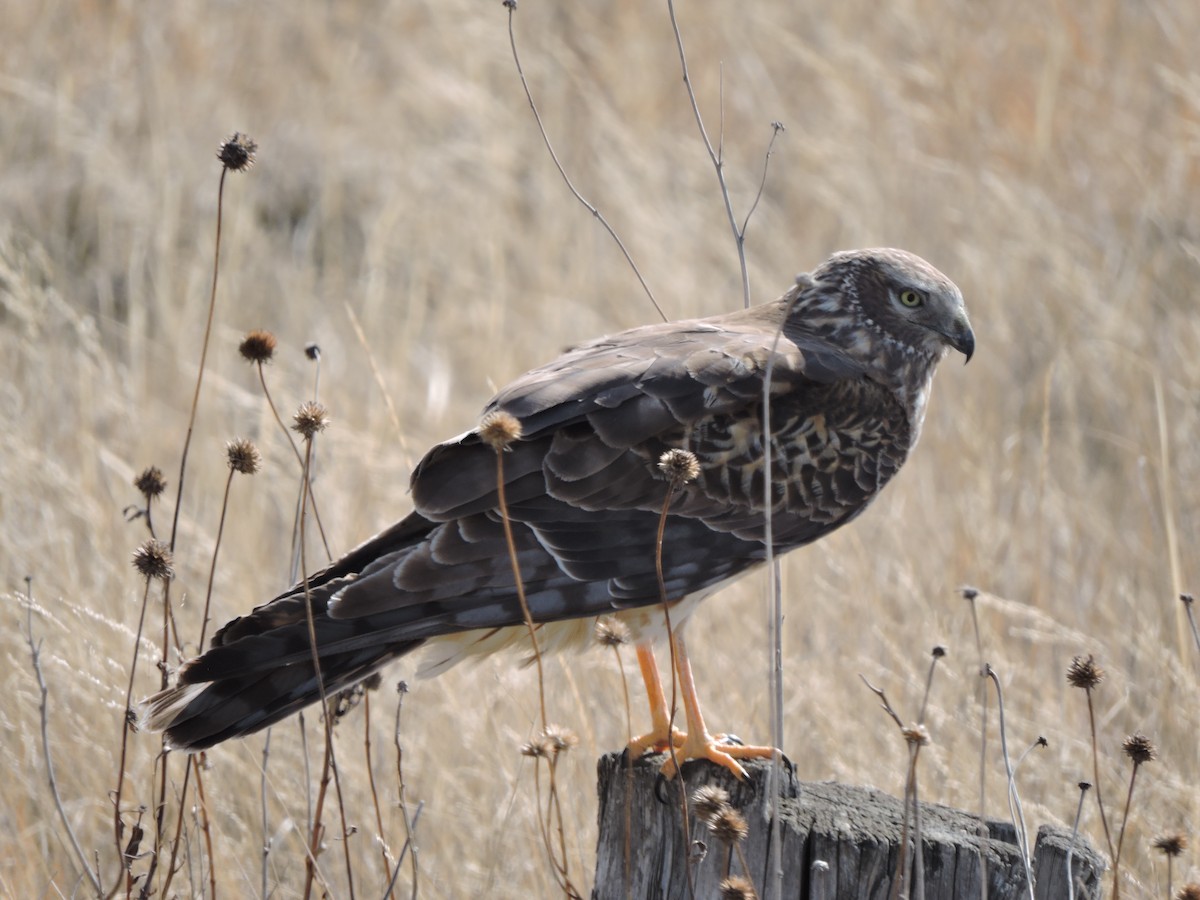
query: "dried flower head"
538, 748
312, 351
153, 560
151, 482
372, 682
1084, 673
1187, 599
938, 652
1189, 892
736, 887
310, 418
257, 346
1171, 844
611, 632
499, 430
237, 153
680, 466
243, 456
708, 801
917, 734
345, 701
968, 592
1139, 748
729, 826
559, 738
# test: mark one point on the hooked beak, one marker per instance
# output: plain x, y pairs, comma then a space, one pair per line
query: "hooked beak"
960, 336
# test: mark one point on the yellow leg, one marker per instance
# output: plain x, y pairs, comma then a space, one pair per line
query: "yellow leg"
660, 717
699, 743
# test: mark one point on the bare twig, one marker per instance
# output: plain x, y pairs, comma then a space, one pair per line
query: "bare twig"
970, 594
512, 39
383, 844
677, 479
307, 486
35, 657
1014, 799
330, 761
1083, 789
410, 824
408, 841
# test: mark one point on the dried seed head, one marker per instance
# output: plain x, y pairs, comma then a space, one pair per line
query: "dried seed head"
372, 682
737, 888
1084, 673
611, 632
938, 652
151, 482
729, 826
680, 466
1189, 892
310, 418
968, 592
237, 153
1139, 748
257, 346
313, 352
538, 748
559, 738
708, 801
345, 701
1171, 844
499, 430
1187, 599
917, 734
243, 456
153, 560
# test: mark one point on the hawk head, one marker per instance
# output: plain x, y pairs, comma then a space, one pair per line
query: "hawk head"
898, 304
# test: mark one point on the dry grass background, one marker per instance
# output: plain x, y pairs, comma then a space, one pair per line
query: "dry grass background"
1048, 159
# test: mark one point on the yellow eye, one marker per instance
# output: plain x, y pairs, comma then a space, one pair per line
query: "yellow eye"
911, 299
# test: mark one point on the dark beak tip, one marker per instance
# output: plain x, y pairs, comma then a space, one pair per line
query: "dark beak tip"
966, 345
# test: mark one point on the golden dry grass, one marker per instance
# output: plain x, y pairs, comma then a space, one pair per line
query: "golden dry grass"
1046, 158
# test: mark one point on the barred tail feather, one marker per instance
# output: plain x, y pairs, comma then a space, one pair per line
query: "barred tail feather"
195, 716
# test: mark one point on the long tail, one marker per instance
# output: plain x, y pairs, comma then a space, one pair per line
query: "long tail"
259, 668
198, 714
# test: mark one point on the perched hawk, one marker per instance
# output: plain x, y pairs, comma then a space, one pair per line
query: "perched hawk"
855, 345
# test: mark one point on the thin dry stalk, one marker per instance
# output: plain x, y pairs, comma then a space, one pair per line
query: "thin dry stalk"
330, 763
970, 594
1014, 799
212, 305
410, 824
500, 432
675, 482
1167, 495
915, 737
266, 822
775, 618
118, 824
1139, 750
409, 841
35, 657
1083, 789
312, 499
383, 844
1188, 602
511, 5
1096, 773
361, 335
613, 638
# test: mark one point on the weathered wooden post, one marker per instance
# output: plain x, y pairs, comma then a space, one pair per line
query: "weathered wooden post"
836, 841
